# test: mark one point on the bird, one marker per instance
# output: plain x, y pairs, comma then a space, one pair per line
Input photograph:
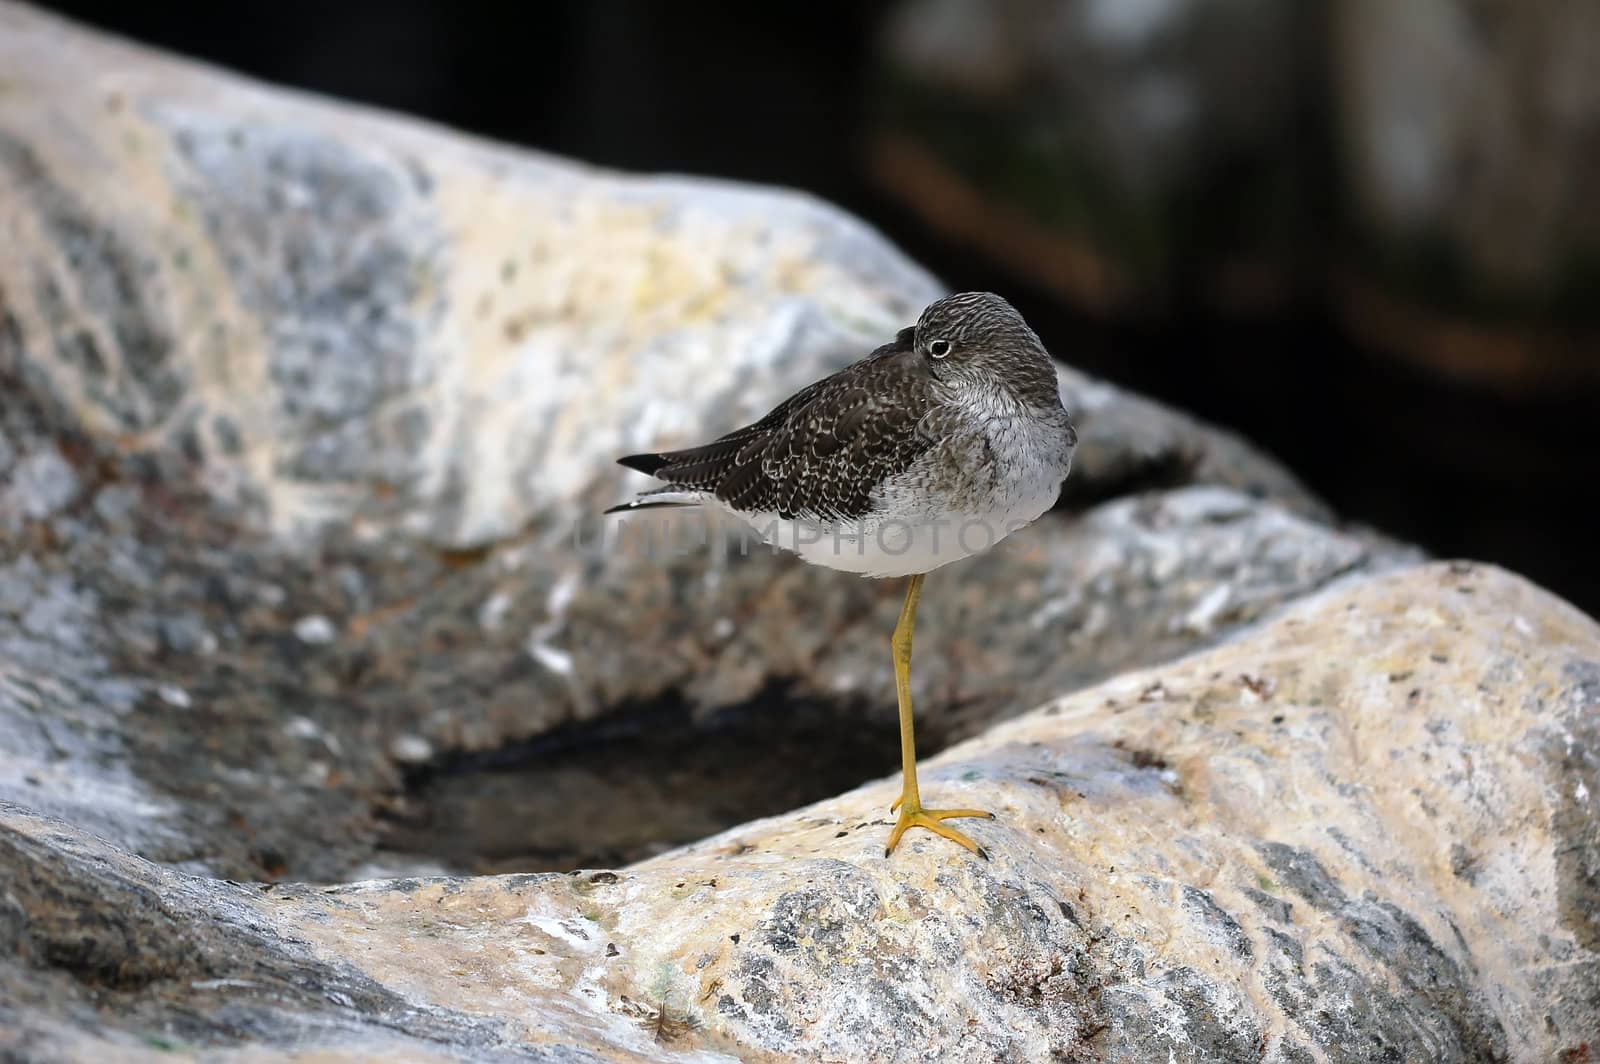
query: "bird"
932, 448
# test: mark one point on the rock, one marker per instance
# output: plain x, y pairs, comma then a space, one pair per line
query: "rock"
351, 319
315, 630
41, 485
337, 398
1363, 831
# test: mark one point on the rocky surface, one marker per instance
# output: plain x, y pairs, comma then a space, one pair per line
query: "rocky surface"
305, 415
1364, 832
309, 414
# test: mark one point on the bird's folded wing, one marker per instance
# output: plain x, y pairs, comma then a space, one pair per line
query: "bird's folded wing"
819, 454
824, 460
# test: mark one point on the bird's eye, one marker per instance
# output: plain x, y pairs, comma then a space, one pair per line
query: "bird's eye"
939, 348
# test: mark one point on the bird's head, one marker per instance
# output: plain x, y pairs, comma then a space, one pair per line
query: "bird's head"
978, 335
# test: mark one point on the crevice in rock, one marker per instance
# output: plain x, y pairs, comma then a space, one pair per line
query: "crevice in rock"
1135, 474
635, 782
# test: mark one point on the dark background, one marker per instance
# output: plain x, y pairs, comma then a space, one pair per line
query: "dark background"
781, 94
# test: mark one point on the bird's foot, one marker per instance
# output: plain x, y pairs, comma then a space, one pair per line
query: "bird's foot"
931, 819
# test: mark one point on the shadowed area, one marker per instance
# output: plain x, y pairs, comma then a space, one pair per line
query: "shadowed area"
631, 785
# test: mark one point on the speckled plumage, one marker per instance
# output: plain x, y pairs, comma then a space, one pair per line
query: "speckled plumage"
958, 419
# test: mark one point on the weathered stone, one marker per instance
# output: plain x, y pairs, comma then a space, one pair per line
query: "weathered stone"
1246, 854
311, 413
40, 485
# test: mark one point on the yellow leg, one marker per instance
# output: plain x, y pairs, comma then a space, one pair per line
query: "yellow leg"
912, 815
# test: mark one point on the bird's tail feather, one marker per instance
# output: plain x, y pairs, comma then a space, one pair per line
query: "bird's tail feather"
644, 463
668, 496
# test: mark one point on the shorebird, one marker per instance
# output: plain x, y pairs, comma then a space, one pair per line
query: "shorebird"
930, 449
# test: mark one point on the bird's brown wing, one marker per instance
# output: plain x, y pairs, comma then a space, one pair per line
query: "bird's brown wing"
821, 452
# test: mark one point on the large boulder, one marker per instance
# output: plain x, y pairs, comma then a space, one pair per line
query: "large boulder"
1365, 831
309, 414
